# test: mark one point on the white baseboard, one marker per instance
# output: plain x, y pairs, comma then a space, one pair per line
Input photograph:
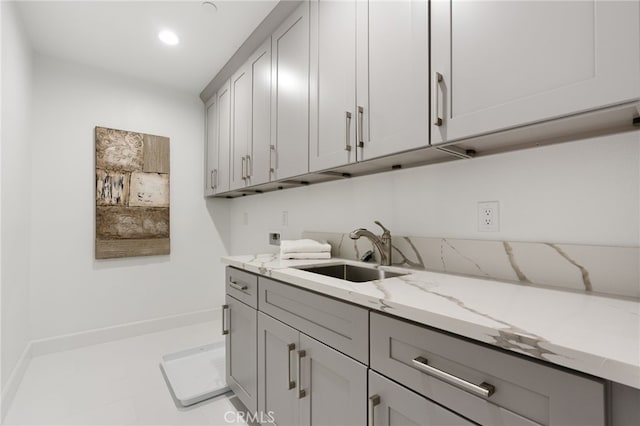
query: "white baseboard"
92, 337
10, 389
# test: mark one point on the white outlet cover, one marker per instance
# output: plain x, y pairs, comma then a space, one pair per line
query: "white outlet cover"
488, 216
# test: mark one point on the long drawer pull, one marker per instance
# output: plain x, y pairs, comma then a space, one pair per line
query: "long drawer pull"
360, 126
373, 401
237, 286
437, 79
224, 327
290, 348
301, 392
484, 389
347, 126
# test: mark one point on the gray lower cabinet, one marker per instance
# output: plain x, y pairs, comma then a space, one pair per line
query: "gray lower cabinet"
304, 382
240, 324
393, 405
486, 385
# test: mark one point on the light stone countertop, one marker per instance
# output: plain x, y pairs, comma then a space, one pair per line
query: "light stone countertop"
594, 334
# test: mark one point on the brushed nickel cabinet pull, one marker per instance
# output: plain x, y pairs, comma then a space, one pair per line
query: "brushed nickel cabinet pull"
301, 392
437, 79
212, 184
240, 287
373, 401
249, 167
484, 389
290, 348
347, 146
224, 328
360, 126
244, 165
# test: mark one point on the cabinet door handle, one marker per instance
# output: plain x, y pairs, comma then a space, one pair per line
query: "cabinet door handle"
215, 178
290, 348
237, 286
244, 164
273, 158
347, 134
224, 327
301, 392
437, 79
373, 401
484, 389
360, 126
211, 181
249, 167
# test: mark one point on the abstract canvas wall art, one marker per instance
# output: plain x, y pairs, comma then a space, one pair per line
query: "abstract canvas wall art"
132, 194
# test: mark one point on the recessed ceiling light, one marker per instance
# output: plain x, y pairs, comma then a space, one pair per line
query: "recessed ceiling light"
168, 37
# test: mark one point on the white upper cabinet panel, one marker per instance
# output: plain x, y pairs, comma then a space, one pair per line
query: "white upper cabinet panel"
211, 158
393, 69
510, 63
240, 126
259, 156
333, 84
290, 96
224, 137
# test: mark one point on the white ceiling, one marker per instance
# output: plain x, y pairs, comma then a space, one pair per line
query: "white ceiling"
122, 36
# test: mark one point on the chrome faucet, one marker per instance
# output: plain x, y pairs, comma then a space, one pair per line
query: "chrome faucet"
382, 243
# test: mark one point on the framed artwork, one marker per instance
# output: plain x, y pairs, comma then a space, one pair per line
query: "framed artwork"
132, 194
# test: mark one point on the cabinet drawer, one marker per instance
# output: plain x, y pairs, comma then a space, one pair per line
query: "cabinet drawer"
394, 405
337, 324
524, 391
243, 286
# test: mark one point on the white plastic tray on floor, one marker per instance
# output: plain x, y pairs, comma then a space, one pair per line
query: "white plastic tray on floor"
196, 374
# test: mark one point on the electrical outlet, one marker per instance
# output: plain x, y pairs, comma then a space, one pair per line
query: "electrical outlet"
274, 238
488, 216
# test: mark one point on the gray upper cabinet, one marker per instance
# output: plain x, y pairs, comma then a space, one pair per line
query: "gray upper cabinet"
241, 351
221, 176
498, 65
211, 147
251, 120
332, 121
393, 405
392, 85
290, 96
369, 90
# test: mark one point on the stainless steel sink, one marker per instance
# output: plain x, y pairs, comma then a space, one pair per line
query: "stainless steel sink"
352, 273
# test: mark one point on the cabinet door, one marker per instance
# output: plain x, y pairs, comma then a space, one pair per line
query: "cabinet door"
211, 146
278, 345
260, 146
290, 101
241, 351
506, 64
240, 126
393, 65
392, 405
335, 386
332, 84
224, 137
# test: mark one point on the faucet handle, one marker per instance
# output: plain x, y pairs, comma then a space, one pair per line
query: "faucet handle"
386, 231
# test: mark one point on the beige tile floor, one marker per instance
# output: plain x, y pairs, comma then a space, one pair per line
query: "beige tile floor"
116, 383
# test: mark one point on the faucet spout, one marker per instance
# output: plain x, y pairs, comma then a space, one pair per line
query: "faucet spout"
382, 243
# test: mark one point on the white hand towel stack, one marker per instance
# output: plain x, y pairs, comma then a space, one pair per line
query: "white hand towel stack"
304, 249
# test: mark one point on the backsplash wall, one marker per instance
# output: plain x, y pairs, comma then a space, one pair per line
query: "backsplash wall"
585, 192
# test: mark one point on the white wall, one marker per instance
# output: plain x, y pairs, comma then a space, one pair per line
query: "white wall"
15, 188
584, 192
70, 291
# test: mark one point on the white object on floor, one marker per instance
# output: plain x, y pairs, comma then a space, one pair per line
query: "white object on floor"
304, 246
196, 374
305, 256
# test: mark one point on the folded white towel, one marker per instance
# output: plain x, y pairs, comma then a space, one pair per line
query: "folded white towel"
325, 255
304, 246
